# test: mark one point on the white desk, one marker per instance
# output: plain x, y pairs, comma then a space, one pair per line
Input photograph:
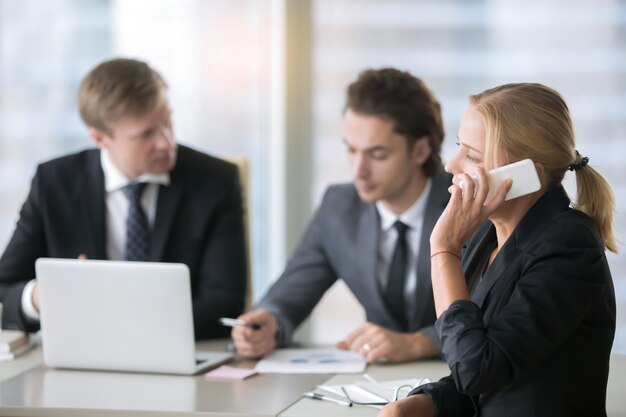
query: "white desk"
27, 388
305, 407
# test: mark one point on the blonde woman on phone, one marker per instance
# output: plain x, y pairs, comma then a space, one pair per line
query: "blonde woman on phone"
526, 308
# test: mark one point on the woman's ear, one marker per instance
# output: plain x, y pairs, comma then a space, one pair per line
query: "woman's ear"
421, 150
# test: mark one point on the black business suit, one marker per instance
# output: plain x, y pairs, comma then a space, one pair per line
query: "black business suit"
535, 340
199, 222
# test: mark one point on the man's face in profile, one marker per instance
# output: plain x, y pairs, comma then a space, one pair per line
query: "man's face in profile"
383, 166
142, 144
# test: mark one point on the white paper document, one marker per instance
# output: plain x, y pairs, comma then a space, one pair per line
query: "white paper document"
372, 392
312, 361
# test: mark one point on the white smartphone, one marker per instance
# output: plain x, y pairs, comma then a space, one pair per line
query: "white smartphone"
523, 174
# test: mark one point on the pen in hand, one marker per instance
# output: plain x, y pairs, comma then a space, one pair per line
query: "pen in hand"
321, 397
225, 321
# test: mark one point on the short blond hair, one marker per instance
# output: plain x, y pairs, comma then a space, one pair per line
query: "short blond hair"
116, 88
529, 120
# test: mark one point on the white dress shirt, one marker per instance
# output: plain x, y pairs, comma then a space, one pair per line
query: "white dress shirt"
117, 204
414, 218
116, 211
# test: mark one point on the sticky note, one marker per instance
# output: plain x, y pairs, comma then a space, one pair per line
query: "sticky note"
230, 372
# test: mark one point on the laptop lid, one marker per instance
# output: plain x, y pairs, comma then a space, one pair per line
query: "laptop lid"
121, 316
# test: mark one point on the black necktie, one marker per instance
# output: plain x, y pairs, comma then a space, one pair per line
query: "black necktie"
137, 232
394, 296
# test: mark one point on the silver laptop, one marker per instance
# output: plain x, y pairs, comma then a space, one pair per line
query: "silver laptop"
119, 316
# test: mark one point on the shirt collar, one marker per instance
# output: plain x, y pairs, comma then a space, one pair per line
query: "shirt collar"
412, 217
115, 180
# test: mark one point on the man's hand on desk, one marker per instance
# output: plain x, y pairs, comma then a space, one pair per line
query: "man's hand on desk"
35, 297
251, 343
415, 406
376, 343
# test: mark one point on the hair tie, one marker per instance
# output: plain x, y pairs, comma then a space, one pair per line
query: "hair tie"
575, 167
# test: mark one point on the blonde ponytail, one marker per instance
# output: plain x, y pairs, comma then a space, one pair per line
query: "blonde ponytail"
595, 198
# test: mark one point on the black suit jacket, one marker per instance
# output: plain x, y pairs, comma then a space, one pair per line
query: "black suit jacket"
536, 338
199, 222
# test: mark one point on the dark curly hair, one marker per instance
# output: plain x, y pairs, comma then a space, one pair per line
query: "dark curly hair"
404, 99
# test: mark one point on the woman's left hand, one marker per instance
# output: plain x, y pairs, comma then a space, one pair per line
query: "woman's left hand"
419, 405
465, 211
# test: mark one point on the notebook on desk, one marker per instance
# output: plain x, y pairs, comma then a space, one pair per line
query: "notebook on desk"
119, 316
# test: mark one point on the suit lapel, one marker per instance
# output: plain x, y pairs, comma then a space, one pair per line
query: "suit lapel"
437, 201
167, 203
367, 247
505, 259
91, 201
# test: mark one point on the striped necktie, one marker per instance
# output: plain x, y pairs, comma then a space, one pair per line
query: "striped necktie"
137, 231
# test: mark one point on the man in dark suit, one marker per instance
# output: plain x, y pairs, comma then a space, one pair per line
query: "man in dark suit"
372, 233
140, 196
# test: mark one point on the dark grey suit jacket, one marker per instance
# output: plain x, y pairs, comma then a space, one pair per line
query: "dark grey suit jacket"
341, 241
199, 222
536, 338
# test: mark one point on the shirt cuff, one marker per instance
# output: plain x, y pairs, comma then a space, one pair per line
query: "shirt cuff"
28, 308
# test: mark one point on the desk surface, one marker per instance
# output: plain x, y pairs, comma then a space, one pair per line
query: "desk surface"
615, 403
307, 407
27, 388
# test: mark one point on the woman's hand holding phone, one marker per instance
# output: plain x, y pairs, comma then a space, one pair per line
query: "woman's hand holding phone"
523, 174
